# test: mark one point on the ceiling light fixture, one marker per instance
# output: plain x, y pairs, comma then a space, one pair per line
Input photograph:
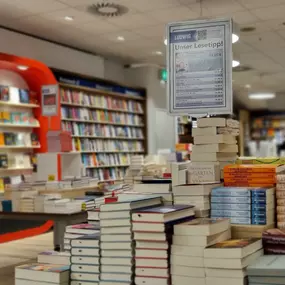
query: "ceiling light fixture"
235, 63
68, 18
165, 42
22, 67
157, 52
120, 38
261, 96
235, 32
247, 86
107, 9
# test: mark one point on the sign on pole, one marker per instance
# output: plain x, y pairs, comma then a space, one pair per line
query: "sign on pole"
49, 100
199, 64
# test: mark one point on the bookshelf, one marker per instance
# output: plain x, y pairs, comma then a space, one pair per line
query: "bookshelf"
108, 124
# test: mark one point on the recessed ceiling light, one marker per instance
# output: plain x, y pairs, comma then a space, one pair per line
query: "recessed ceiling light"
68, 18
235, 38
120, 38
261, 96
165, 42
158, 52
235, 63
22, 67
247, 86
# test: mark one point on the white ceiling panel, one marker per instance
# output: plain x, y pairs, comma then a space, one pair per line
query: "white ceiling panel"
223, 7
173, 14
253, 4
270, 13
97, 27
153, 31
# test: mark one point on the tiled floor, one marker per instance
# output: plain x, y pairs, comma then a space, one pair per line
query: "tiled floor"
21, 252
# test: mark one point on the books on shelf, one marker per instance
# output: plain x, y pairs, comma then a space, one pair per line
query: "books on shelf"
106, 159
107, 174
99, 101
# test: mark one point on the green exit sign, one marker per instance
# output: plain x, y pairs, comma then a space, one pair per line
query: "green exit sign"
163, 74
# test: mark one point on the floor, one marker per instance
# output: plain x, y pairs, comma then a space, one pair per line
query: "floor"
20, 252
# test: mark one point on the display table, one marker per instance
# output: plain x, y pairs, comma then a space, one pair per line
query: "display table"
60, 222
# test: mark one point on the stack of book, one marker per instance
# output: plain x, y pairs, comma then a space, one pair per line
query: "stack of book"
39, 273
225, 262
246, 205
280, 200
27, 204
268, 269
274, 241
259, 175
133, 174
54, 257
116, 241
161, 189
78, 231
62, 206
93, 217
240, 231
215, 142
196, 195
153, 230
85, 260
187, 250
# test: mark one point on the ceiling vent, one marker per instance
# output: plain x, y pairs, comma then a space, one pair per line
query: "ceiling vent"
242, 68
107, 9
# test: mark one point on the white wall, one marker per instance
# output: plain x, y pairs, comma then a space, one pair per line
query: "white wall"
10, 78
51, 54
114, 70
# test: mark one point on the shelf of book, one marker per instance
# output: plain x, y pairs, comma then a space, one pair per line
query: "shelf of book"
19, 105
106, 126
11, 125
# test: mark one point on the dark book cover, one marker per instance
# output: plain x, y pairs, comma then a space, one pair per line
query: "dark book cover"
34, 139
3, 161
24, 96
274, 249
4, 93
9, 139
274, 237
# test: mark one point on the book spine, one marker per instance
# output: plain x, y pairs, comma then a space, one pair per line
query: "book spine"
261, 214
260, 207
220, 199
242, 207
230, 192
274, 250
260, 200
230, 213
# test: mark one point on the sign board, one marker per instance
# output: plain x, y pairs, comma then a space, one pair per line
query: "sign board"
199, 64
49, 100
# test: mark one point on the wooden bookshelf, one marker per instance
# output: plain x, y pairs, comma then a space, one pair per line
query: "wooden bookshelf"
107, 126
19, 105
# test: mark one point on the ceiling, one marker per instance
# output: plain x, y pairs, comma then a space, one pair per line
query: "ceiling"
143, 29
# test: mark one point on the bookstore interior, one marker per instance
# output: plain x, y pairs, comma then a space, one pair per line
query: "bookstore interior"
145, 140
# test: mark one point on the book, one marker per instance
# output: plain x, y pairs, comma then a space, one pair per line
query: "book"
151, 245
255, 280
195, 251
194, 190
79, 276
232, 263
116, 223
82, 229
84, 251
39, 272
151, 253
130, 205
151, 263
85, 268
215, 139
89, 241
201, 240
267, 265
155, 236
228, 280
54, 257
208, 148
274, 237
239, 248
189, 260
91, 260
256, 168
24, 96
211, 122
202, 226
152, 188
207, 157
176, 279
142, 280
115, 230
117, 237
226, 273
116, 253
183, 270
117, 245
163, 214
158, 272
116, 268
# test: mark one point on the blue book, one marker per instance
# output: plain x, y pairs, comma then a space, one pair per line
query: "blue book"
262, 192
231, 192
231, 200
231, 213
261, 214
225, 206
260, 200
258, 207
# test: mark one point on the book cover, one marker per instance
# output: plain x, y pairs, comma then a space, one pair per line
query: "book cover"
4, 93
3, 161
45, 267
24, 96
234, 243
274, 236
165, 209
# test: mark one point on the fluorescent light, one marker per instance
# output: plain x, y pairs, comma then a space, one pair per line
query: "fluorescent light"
68, 18
120, 38
22, 67
235, 38
235, 63
261, 96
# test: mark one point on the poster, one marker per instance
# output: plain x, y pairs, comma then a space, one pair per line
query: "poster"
49, 100
199, 64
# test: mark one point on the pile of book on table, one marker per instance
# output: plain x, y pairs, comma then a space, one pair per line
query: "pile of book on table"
215, 143
116, 240
268, 269
187, 250
153, 230
85, 260
244, 205
225, 262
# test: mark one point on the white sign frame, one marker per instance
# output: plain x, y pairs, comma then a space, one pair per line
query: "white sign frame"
49, 110
227, 93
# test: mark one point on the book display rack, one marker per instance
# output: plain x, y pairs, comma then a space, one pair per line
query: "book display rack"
107, 123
